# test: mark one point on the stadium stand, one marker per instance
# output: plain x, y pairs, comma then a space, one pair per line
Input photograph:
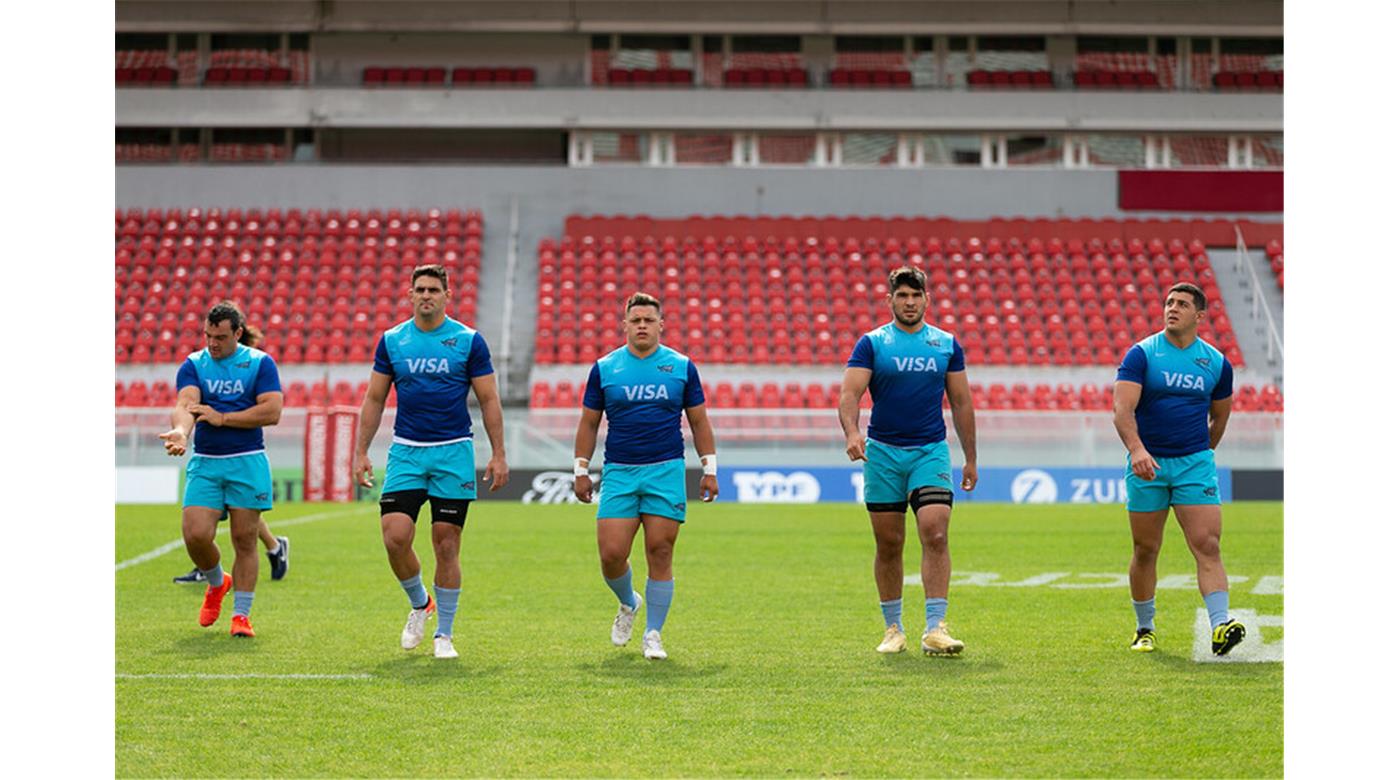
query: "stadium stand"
320, 284
1010, 79
1274, 251
437, 76
1015, 292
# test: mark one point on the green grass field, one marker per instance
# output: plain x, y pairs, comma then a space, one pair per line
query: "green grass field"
771, 637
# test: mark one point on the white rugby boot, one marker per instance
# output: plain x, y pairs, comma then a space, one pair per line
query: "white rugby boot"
626, 616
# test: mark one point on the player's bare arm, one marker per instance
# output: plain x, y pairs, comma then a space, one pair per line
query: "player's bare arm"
177, 439
267, 411
964, 422
371, 413
854, 383
704, 435
497, 472
1219, 416
1125, 401
585, 441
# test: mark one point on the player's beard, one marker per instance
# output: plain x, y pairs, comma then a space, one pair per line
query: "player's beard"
909, 319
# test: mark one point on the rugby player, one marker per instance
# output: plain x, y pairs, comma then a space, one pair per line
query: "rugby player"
908, 365
642, 387
432, 360
1170, 405
225, 394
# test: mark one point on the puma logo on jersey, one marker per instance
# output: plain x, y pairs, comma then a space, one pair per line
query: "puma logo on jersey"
915, 364
1184, 381
645, 392
223, 386
427, 366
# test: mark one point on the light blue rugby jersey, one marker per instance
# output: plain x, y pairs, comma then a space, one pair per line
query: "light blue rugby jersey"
908, 376
1173, 415
432, 372
228, 385
643, 399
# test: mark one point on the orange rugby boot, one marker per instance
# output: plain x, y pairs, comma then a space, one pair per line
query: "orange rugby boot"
240, 626
214, 601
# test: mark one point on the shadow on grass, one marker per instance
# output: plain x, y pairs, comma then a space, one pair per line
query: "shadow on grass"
916, 663
419, 668
1238, 669
634, 668
216, 643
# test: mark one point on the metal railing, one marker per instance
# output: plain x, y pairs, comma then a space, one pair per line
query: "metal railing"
1273, 343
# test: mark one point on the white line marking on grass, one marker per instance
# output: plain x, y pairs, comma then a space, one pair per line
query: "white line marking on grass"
178, 543
249, 676
1252, 650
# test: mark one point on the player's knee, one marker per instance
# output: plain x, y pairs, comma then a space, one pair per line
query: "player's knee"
1206, 546
659, 552
890, 547
244, 537
612, 555
1145, 551
935, 539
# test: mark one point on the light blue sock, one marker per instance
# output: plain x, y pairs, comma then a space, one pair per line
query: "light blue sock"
242, 602
447, 609
1218, 605
417, 594
934, 612
659, 593
214, 576
1146, 612
622, 587
894, 611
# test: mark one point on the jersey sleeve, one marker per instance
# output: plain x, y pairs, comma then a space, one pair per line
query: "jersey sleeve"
1134, 366
479, 361
863, 356
593, 390
187, 376
957, 362
267, 380
1225, 386
694, 391
382, 363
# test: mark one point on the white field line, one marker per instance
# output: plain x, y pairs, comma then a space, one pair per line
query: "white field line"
178, 543
250, 676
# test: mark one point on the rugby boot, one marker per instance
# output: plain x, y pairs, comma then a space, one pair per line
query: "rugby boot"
1225, 636
894, 641
240, 626
626, 616
214, 601
413, 629
936, 641
1144, 642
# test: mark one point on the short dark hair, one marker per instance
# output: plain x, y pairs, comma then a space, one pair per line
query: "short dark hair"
908, 276
227, 310
436, 271
641, 299
1198, 295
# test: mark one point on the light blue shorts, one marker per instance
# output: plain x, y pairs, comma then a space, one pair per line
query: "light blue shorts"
892, 473
239, 481
1190, 479
444, 470
651, 489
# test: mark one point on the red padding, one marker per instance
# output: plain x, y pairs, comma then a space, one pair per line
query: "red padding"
1200, 190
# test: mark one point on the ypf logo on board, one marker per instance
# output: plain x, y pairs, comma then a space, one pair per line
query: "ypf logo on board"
795, 487
1034, 486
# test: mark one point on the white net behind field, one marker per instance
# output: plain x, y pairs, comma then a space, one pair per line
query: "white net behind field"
544, 438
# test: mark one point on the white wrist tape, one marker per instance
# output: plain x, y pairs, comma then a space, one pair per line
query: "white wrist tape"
580, 467
709, 465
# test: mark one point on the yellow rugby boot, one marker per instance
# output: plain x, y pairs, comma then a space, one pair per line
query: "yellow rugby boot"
937, 641
893, 641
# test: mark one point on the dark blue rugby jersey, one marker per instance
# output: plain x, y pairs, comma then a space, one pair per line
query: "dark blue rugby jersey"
643, 399
1173, 414
232, 384
908, 376
432, 372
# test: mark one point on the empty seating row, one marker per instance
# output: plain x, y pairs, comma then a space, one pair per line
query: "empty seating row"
865, 77
320, 284
1117, 79
378, 76
250, 77
646, 76
812, 395
1264, 79
1036, 79
766, 77
155, 76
